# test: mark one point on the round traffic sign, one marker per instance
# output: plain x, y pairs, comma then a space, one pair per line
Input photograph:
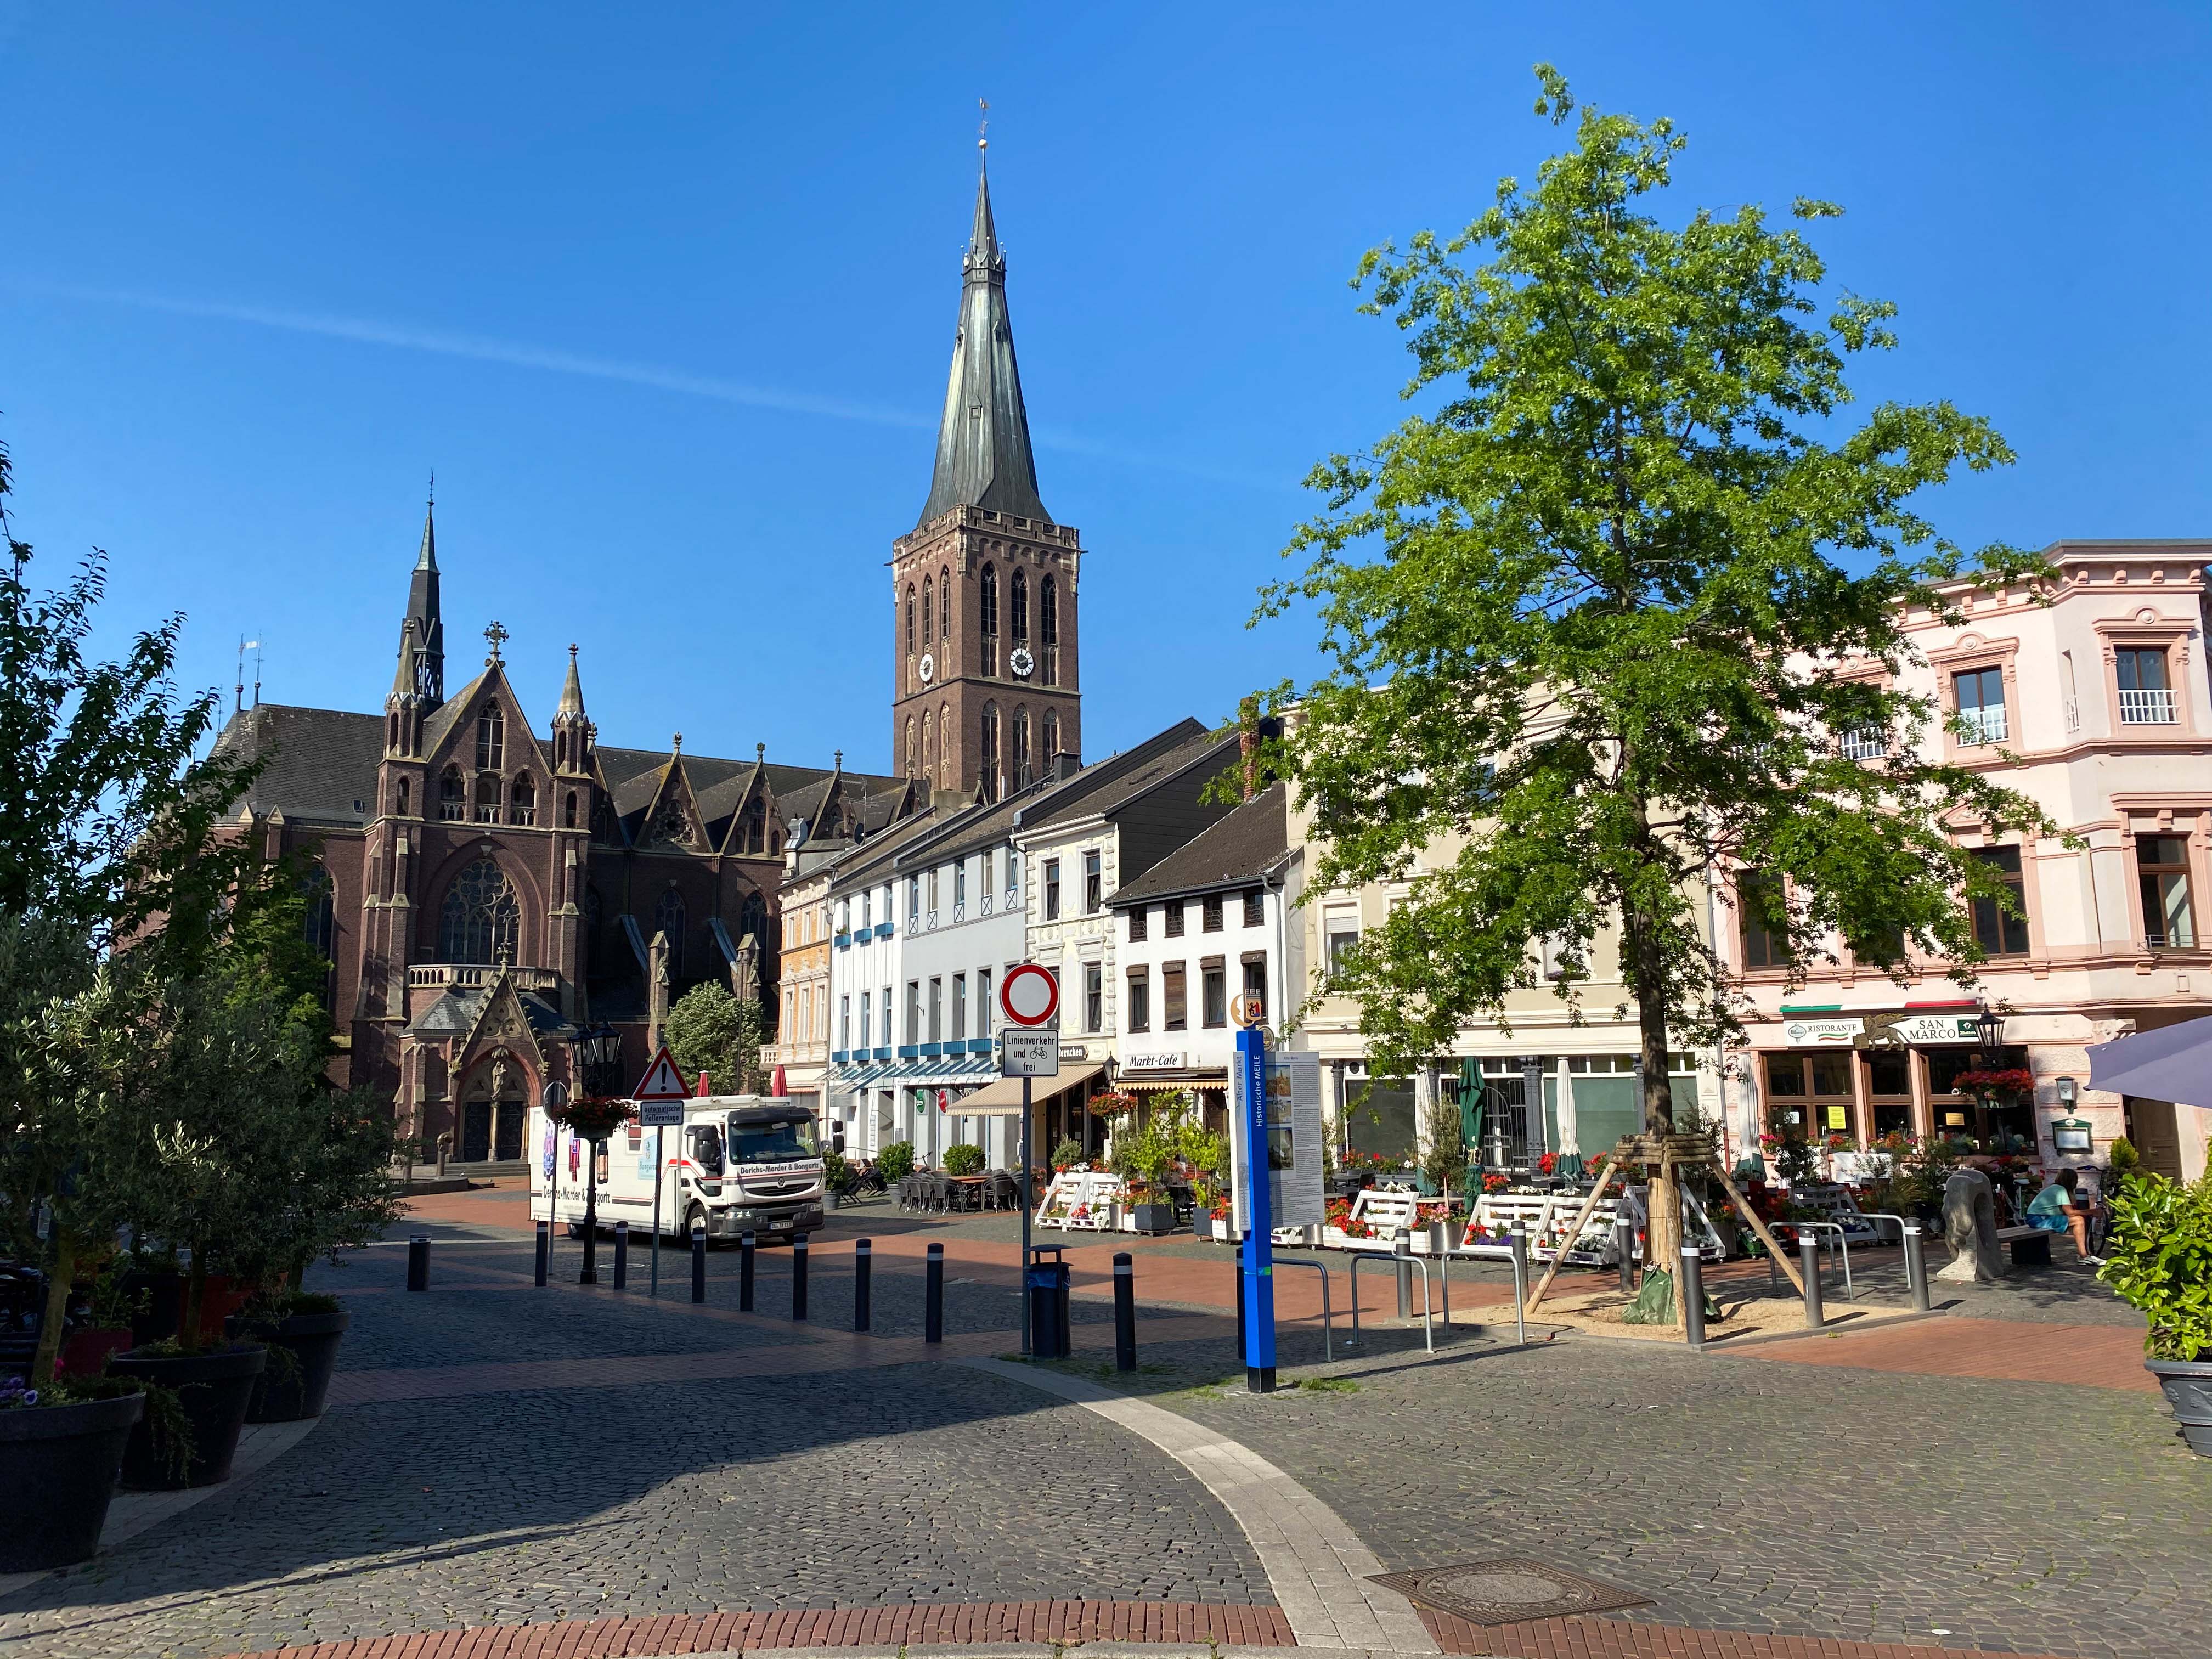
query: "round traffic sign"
1029, 995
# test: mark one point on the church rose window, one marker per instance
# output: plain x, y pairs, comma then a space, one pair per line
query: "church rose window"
522, 800
491, 739
452, 796
988, 614
668, 919
480, 919
1018, 603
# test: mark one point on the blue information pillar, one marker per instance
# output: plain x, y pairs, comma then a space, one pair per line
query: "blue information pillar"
1258, 1277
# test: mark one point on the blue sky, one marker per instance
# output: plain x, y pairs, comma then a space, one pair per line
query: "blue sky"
666, 297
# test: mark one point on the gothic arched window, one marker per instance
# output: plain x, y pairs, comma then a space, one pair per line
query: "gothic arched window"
569, 810
488, 799
755, 833
987, 614
591, 927
1019, 602
944, 744
1049, 737
522, 800
944, 605
752, 923
1021, 755
406, 794
913, 754
909, 619
321, 927
927, 610
452, 796
988, 751
1049, 629
928, 745
480, 920
668, 919
491, 739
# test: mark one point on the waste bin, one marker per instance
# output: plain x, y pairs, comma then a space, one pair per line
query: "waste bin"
1047, 1284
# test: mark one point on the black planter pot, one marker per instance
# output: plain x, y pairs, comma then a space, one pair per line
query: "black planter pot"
214, 1389
57, 1468
2188, 1386
286, 1394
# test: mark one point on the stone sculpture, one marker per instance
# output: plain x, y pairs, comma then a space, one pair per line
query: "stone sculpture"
1970, 1228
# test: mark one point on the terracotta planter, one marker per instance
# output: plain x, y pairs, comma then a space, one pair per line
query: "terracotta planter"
57, 1468
214, 1389
287, 1393
2188, 1387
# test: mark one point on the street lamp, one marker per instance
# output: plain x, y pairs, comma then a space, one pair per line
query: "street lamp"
598, 1055
1990, 1025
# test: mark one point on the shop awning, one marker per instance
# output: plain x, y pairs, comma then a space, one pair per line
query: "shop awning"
1160, 1082
1004, 1097
2173, 1062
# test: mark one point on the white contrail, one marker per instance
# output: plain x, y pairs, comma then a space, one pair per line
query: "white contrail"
481, 349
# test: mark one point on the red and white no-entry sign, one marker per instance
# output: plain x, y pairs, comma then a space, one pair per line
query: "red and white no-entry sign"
1029, 995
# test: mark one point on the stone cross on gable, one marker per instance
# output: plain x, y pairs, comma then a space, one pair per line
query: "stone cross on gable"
495, 636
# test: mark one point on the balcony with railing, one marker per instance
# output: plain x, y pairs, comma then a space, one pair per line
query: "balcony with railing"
474, 976
1868, 743
1982, 725
2151, 708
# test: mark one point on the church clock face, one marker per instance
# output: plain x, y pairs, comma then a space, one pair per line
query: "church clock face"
927, 668
1021, 662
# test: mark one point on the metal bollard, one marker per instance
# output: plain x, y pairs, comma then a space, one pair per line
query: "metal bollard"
1916, 1268
1402, 1269
1692, 1287
745, 1242
698, 1261
544, 1251
1517, 1243
798, 1277
1773, 1271
1624, 1239
932, 1297
864, 1250
1124, 1312
1808, 1260
418, 1262
622, 1255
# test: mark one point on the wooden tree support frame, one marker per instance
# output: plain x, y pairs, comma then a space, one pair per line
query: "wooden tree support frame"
1670, 1153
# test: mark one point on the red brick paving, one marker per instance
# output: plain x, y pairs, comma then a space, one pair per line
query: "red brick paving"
2096, 1355
1611, 1638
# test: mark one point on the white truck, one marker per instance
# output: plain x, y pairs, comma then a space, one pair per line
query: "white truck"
737, 1163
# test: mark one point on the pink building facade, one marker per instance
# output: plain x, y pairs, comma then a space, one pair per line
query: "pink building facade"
2096, 704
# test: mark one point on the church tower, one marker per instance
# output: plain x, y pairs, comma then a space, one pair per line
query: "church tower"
986, 692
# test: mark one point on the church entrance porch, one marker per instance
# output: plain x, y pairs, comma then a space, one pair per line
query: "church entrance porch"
491, 1131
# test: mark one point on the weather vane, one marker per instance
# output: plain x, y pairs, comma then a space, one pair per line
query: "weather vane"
983, 126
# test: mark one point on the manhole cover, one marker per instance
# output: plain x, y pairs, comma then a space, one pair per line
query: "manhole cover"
1506, 1592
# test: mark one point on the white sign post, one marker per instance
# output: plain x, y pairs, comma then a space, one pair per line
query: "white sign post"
1028, 998
659, 1094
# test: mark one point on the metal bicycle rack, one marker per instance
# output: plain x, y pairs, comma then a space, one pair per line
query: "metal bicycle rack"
1428, 1313
1328, 1336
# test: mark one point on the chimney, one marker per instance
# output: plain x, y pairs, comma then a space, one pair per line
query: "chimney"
1254, 731
1065, 765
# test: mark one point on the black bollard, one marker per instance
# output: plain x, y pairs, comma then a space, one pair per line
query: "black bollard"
746, 1242
1124, 1312
1808, 1260
798, 1276
1916, 1269
622, 1255
1692, 1287
698, 1261
932, 1296
418, 1262
864, 1251
1624, 1238
1403, 1253
544, 1251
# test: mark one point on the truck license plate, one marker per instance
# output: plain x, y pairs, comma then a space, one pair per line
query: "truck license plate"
786, 1221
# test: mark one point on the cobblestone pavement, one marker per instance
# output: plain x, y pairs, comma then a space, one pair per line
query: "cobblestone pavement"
913, 1484
2020, 1516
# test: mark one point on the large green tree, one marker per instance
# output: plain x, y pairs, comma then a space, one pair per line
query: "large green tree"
1595, 616
712, 1031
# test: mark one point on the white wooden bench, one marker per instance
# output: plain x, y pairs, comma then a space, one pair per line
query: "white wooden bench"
1390, 1214
1836, 1203
1080, 1198
1543, 1219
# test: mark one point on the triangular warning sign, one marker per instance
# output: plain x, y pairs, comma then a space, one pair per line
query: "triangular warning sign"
661, 1081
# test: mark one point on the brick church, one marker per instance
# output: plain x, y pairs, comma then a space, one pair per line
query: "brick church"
488, 892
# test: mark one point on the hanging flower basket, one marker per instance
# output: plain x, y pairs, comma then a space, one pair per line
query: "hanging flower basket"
593, 1120
2013, 1081
1112, 1103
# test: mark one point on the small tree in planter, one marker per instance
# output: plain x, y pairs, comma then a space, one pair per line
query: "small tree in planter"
964, 1159
2159, 1258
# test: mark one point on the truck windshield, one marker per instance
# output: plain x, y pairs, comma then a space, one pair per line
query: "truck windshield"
770, 1143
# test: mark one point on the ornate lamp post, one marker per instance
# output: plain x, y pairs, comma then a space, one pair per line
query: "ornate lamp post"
592, 1121
1989, 1024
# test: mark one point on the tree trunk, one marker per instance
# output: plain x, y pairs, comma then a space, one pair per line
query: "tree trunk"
62, 1271
188, 1326
1663, 1236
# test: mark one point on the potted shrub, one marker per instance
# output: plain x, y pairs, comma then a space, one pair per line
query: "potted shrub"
302, 1331
2158, 1257
60, 1448
964, 1159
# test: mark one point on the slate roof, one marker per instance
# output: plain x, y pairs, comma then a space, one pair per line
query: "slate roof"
322, 761
1199, 747
1252, 840
456, 1012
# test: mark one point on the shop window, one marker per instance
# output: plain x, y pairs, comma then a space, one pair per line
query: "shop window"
1889, 1085
1174, 1009
1980, 693
1809, 1095
2003, 930
2009, 1120
2146, 695
1141, 1000
1213, 980
2162, 866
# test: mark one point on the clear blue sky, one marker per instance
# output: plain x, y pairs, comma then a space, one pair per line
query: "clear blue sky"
665, 296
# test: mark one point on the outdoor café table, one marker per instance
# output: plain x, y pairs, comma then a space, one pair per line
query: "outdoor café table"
971, 1191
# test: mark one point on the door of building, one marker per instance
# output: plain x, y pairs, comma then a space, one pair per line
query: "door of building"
507, 1136
476, 1132
2156, 1136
